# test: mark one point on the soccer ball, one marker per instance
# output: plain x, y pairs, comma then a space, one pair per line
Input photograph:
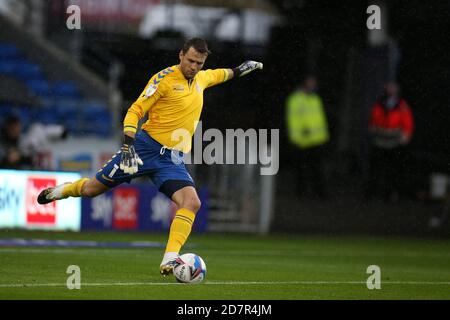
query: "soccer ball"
192, 269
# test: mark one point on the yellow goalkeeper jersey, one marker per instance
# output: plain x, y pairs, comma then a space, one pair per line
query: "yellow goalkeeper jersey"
172, 103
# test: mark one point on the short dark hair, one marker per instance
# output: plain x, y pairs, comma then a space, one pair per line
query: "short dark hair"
198, 44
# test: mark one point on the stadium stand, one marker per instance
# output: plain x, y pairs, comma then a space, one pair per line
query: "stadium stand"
40, 84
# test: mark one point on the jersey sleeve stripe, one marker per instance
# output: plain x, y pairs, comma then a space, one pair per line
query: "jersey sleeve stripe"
130, 128
226, 75
160, 75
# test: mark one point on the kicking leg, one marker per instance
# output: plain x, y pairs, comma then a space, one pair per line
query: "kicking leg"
84, 187
188, 204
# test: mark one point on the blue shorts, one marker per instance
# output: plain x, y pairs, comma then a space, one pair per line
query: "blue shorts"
163, 166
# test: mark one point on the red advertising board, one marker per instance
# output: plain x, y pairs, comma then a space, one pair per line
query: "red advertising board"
39, 214
125, 208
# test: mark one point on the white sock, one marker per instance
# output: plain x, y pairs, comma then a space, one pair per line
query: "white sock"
57, 191
169, 256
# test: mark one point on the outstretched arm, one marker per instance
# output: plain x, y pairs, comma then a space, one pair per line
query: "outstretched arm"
245, 68
217, 76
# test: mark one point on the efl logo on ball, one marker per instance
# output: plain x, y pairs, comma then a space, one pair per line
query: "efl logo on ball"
39, 214
190, 269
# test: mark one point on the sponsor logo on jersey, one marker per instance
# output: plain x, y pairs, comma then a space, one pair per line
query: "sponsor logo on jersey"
178, 87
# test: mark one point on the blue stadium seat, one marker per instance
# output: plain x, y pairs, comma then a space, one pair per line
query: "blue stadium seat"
40, 87
8, 51
94, 109
7, 109
72, 126
96, 119
27, 71
26, 116
69, 114
7, 67
61, 101
48, 116
65, 89
67, 109
102, 130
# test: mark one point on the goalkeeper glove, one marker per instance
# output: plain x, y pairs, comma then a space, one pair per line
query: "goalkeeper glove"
247, 67
129, 159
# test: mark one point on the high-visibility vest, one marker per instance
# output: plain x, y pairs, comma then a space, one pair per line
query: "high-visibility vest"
306, 120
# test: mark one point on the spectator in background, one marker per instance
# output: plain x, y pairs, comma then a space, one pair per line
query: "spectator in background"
308, 132
20, 150
391, 126
39, 137
11, 154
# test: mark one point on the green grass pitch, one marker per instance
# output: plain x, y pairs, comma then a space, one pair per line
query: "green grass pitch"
275, 267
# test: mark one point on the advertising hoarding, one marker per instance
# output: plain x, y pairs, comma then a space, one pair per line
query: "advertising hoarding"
19, 208
136, 207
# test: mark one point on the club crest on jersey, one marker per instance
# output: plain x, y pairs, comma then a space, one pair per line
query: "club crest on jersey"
150, 91
199, 89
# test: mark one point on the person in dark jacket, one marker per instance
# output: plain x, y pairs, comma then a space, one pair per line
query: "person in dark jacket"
11, 154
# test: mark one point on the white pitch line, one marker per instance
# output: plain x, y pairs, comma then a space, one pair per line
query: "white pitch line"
130, 284
85, 250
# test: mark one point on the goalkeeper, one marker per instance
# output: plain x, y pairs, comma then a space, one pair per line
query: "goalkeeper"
173, 100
